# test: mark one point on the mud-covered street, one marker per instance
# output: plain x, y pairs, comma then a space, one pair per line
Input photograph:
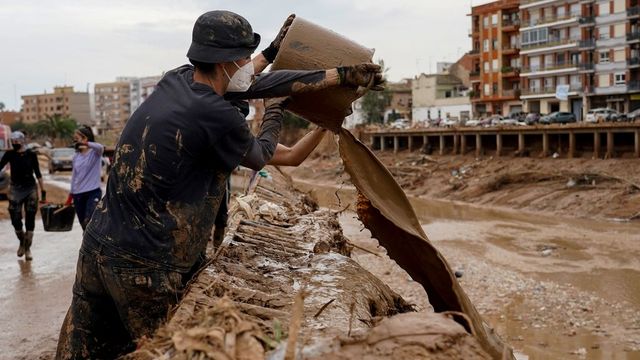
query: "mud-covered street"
553, 287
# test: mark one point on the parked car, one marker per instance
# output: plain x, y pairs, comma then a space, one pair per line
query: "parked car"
400, 124
558, 117
449, 122
634, 115
60, 159
495, 120
4, 179
508, 122
532, 118
600, 115
517, 115
472, 122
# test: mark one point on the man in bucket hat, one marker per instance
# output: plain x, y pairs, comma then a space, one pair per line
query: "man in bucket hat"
169, 173
23, 193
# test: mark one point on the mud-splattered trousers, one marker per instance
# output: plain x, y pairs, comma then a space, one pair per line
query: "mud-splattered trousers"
112, 305
27, 200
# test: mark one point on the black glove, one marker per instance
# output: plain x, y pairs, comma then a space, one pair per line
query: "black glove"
366, 75
43, 196
271, 51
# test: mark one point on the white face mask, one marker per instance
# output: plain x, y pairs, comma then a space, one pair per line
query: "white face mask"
242, 79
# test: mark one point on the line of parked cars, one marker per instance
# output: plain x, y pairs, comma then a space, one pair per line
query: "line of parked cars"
597, 115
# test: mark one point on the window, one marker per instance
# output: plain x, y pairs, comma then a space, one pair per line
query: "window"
485, 45
620, 78
603, 80
619, 55
548, 83
494, 65
561, 11
575, 81
495, 88
494, 44
560, 59
604, 32
486, 67
619, 30
485, 22
604, 57
574, 33
619, 6
494, 19
604, 8
487, 89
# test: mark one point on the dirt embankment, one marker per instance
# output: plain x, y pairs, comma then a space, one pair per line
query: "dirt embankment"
606, 189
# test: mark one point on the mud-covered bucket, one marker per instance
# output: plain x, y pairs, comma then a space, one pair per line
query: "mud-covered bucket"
308, 46
57, 217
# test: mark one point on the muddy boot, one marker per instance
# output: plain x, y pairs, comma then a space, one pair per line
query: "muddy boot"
20, 235
28, 238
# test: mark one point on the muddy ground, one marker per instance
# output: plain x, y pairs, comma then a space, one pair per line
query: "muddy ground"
584, 187
540, 243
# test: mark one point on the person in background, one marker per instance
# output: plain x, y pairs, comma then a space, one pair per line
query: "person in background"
85, 176
23, 193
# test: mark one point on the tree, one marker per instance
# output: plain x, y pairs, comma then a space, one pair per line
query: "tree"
2, 107
374, 103
55, 127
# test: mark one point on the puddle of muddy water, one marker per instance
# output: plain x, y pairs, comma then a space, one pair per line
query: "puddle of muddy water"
598, 259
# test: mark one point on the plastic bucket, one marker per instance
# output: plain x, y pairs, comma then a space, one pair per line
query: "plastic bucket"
57, 217
308, 46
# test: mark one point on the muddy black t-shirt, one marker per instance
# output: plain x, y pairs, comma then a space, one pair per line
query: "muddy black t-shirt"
23, 165
169, 172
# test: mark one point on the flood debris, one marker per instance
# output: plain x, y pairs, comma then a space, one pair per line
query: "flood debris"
266, 278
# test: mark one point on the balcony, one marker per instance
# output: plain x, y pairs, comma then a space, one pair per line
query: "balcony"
550, 45
587, 44
549, 91
508, 71
633, 11
633, 61
526, 4
610, 90
610, 41
611, 66
510, 94
587, 20
552, 20
633, 85
634, 35
510, 25
509, 49
548, 69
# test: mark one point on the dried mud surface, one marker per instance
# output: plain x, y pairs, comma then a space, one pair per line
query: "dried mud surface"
584, 188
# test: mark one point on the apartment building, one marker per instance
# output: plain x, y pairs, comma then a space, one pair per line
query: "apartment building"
112, 105
617, 55
141, 88
557, 45
64, 101
495, 71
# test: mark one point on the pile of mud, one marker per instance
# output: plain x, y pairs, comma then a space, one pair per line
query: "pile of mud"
283, 286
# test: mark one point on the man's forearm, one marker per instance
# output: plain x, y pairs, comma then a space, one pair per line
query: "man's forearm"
282, 83
264, 145
295, 155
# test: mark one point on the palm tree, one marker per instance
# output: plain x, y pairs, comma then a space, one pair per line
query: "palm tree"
56, 127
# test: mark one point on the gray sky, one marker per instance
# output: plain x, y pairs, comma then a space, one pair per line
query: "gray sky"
79, 43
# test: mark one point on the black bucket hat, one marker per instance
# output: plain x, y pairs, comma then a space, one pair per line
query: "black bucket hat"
222, 36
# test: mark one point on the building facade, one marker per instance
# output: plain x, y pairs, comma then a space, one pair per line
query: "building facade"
495, 64
439, 96
64, 101
141, 88
400, 102
617, 55
112, 105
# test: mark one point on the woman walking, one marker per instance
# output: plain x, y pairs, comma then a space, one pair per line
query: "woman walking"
85, 176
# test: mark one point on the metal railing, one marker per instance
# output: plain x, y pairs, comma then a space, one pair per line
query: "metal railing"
549, 67
550, 43
587, 20
550, 90
633, 11
633, 85
509, 22
635, 35
587, 43
510, 93
550, 19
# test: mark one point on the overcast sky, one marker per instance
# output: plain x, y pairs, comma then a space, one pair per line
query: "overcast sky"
82, 42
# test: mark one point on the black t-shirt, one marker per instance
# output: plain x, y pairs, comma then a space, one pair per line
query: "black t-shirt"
172, 162
23, 165
169, 172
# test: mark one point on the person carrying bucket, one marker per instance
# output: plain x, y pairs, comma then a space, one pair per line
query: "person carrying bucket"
23, 193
